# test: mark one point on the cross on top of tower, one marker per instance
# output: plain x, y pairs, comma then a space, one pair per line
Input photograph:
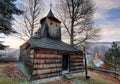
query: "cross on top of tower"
50, 5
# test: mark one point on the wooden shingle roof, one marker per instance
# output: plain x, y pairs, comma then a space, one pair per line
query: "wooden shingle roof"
51, 17
46, 43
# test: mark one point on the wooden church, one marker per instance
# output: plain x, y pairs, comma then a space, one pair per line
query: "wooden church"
44, 55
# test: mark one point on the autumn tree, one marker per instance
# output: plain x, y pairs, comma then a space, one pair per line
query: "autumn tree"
7, 10
76, 16
31, 18
112, 57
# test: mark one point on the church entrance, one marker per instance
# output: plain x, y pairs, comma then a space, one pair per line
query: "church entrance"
65, 64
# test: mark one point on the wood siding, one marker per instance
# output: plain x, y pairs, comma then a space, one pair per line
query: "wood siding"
76, 63
50, 29
46, 64
26, 56
42, 64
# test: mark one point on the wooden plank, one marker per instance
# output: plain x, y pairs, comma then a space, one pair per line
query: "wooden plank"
46, 51
46, 66
47, 56
46, 71
55, 58
40, 76
38, 63
47, 61
76, 56
76, 64
49, 73
76, 68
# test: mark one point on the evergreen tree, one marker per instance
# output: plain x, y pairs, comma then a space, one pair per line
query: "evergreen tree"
112, 57
2, 47
7, 9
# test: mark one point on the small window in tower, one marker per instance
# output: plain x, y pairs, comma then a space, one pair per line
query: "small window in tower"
51, 23
56, 25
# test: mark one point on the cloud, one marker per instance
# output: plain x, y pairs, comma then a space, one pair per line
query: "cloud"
103, 6
100, 15
110, 38
107, 4
13, 42
110, 30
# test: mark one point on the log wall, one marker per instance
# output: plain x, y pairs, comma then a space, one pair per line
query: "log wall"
46, 64
26, 56
76, 63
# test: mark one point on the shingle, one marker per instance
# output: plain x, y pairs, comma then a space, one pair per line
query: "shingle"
50, 14
47, 43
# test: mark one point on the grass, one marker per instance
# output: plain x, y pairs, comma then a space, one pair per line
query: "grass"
96, 80
9, 80
82, 80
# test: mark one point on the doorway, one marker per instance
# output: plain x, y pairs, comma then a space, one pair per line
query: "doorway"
65, 64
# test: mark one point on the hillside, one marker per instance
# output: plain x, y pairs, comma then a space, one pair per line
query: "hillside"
97, 49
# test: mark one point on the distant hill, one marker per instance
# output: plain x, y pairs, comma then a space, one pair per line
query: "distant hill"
98, 48
9, 54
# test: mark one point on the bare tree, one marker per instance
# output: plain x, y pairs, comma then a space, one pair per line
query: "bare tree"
76, 16
31, 17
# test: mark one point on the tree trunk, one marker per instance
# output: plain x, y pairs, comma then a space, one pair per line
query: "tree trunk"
71, 40
72, 26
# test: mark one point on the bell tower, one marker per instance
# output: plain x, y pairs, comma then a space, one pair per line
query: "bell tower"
50, 27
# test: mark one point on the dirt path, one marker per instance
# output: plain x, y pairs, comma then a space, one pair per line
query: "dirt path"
105, 76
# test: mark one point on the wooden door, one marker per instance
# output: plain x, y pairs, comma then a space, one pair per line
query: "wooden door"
65, 62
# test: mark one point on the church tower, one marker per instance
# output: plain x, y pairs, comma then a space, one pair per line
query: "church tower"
50, 27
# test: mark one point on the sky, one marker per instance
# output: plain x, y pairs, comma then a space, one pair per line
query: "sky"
106, 17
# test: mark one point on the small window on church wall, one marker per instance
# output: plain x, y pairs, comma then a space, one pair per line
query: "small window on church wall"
51, 23
56, 25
